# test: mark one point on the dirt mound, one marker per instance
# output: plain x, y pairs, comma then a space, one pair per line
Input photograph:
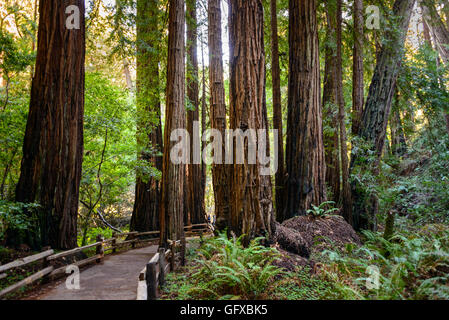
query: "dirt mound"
305, 234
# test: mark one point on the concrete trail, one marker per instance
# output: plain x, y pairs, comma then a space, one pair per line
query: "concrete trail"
115, 278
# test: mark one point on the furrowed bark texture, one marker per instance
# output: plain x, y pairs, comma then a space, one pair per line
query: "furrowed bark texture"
251, 203
376, 114
306, 167
277, 113
172, 203
330, 120
53, 145
220, 174
195, 202
145, 216
346, 189
357, 71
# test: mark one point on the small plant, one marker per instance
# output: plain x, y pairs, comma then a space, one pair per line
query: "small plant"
323, 210
228, 270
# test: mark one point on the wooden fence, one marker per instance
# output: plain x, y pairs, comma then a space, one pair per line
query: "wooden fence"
51, 260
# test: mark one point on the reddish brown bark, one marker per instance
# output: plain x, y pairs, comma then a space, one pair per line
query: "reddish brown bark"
306, 167
251, 203
53, 145
172, 202
357, 71
195, 208
277, 113
220, 175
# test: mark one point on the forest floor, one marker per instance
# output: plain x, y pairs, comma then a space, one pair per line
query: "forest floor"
321, 258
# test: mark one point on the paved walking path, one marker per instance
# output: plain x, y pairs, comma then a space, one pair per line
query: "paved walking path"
115, 278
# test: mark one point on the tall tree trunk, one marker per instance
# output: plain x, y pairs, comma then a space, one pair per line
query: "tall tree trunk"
145, 216
277, 113
330, 119
203, 130
220, 174
127, 72
251, 203
357, 71
172, 202
195, 202
398, 142
376, 114
306, 166
53, 146
346, 189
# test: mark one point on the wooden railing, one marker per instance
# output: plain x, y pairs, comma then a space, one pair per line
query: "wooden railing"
51, 260
152, 277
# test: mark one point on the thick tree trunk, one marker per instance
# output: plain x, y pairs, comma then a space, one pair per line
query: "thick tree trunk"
53, 145
330, 119
376, 114
220, 174
203, 130
346, 189
195, 203
145, 215
306, 167
357, 71
277, 113
172, 202
251, 203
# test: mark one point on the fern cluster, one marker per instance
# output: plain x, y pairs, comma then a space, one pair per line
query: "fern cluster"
228, 270
410, 267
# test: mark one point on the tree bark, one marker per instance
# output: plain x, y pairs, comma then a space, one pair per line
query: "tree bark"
195, 203
306, 167
145, 216
376, 114
251, 203
398, 142
53, 145
330, 134
277, 113
346, 189
172, 202
357, 71
220, 174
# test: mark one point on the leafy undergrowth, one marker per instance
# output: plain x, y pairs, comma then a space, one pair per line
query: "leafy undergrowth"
411, 265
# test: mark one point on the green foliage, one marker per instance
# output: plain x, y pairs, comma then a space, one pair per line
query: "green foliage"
411, 265
323, 210
13, 217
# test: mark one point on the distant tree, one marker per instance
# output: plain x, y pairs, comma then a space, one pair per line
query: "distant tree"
145, 216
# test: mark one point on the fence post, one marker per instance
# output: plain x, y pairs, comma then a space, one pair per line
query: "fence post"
100, 247
150, 277
114, 242
161, 266
173, 256
133, 243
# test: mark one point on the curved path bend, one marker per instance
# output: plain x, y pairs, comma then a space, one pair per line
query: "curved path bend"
115, 278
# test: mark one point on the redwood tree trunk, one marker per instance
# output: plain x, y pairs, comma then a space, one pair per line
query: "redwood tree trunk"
53, 146
220, 175
346, 189
330, 120
306, 167
145, 215
277, 113
251, 203
375, 116
195, 203
357, 71
172, 202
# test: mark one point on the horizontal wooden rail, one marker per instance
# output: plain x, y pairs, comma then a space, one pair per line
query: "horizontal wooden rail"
26, 260
38, 275
72, 251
